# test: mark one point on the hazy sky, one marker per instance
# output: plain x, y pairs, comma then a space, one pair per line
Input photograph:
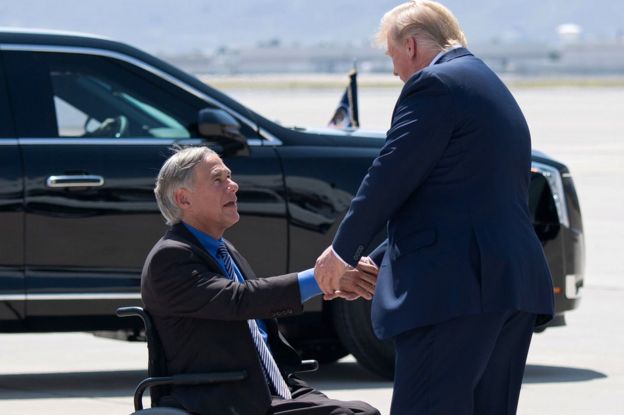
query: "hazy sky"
203, 25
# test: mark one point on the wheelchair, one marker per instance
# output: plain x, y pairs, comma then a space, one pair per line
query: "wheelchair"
159, 381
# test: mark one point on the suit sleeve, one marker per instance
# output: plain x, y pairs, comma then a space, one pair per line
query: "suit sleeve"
421, 129
181, 284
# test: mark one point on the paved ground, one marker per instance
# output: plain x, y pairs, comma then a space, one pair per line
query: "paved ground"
574, 370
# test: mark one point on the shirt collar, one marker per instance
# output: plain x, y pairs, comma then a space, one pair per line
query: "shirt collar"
210, 244
442, 53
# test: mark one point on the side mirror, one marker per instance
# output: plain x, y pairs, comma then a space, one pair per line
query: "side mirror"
221, 126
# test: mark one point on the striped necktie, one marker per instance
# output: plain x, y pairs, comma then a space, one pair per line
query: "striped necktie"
270, 367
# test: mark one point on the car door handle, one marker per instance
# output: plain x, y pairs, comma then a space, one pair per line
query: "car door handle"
75, 181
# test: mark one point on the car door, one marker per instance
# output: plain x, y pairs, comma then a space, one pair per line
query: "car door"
94, 130
12, 292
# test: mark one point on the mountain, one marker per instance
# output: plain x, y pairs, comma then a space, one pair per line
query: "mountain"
163, 26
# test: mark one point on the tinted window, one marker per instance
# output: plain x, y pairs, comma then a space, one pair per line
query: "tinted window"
91, 96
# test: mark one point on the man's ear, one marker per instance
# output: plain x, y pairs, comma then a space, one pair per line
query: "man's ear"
410, 46
181, 198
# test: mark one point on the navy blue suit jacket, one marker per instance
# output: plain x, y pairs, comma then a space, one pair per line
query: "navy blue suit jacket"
451, 183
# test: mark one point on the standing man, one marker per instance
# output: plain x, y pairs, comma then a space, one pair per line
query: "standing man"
463, 281
213, 314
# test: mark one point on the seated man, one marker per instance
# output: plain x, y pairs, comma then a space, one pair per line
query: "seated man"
213, 314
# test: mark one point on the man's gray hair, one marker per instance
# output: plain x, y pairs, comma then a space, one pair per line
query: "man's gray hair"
426, 20
177, 172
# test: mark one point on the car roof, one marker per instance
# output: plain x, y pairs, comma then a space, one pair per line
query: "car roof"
25, 31
30, 36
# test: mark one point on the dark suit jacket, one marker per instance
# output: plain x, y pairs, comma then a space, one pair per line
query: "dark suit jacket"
201, 318
451, 183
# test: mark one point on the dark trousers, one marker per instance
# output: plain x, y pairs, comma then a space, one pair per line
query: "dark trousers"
308, 401
471, 365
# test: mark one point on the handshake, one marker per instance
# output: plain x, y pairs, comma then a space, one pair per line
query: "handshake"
339, 280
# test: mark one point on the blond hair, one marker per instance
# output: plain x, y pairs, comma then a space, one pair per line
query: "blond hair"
426, 20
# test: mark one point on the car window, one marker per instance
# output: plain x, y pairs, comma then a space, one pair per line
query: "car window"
93, 96
71, 121
90, 102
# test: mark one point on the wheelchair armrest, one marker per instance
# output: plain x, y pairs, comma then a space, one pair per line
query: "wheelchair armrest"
308, 366
185, 379
129, 312
160, 411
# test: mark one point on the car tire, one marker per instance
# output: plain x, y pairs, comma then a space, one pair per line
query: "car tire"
353, 325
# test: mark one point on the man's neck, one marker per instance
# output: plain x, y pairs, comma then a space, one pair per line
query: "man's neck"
423, 59
442, 53
426, 58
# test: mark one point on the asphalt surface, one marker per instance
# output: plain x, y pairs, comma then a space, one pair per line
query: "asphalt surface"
572, 370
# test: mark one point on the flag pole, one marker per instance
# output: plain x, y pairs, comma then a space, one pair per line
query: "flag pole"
353, 96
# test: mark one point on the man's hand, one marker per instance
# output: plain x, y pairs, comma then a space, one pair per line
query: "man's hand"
358, 282
327, 271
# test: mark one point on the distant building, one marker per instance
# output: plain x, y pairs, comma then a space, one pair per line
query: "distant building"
571, 57
516, 58
589, 58
286, 59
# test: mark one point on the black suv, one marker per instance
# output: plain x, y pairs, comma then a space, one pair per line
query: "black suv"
86, 123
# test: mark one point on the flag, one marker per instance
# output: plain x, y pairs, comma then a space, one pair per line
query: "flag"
346, 115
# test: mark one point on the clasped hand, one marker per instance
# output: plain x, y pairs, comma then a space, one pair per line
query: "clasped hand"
339, 280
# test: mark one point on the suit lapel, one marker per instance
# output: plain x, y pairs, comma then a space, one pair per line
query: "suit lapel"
283, 352
180, 233
240, 261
